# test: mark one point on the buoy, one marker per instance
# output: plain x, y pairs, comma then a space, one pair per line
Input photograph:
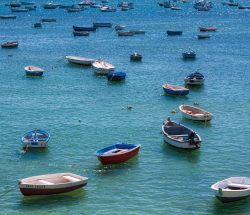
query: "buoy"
79, 120
129, 107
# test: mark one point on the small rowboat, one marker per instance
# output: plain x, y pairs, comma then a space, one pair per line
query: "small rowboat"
37, 25
102, 25
51, 184
117, 153
78, 28
119, 27
175, 90
195, 113
180, 136
12, 44
210, 28
80, 33
244, 7
125, 33
33, 71
135, 57
174, 33
35, 139
80, 60
203, 36
48, 20
232, 189
50, 6
7, 16
116, 76
102, 67
195, 78
189, 55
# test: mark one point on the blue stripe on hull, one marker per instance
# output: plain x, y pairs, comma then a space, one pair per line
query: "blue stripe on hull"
34, 73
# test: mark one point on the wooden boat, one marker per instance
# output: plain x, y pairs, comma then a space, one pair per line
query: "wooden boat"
35, 139
195, 113
203, 36
11, 44
102, 67
244, 7
102, 25
77, 28
117, 153
195, 78
189, 55
135, 57
33, 71
180, 136
116, 76
125, 33
19, 9
232, 189
209, 28
50, 5
51, 184
174, 33
7, 16
80, 60
175, 90
119, 27
80, 33
37, 25
48, 20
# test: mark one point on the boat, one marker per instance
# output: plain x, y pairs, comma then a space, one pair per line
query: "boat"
80, 60
15, 4
195, 78
50, 5
80, 33
138, 31
174, 33
120, 27
37, 25
232, 189
7, 16
189, 55
11, 44
195, 113
51, 184
48, 20
135, 57
175, 8
175, 90
33, 71
86, 3
116, 76
209, 28
231, 3
78, 28
107, 9
102, 25
180, 136
19, 10
102, 67
36, 138
243, 7
125, 33
203, 36
117, 153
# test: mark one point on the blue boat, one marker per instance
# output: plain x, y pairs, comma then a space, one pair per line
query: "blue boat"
77, 28
189, 55
195, 78
116, 76
175, 90
117, 153
36, 138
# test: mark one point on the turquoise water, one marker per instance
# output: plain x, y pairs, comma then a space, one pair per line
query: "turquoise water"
84, 113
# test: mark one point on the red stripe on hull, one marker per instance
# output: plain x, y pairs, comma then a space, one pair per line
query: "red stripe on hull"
32, 191
119, 158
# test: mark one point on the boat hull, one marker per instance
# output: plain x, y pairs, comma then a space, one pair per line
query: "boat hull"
35, 74
112, 76
26, 191
175, 92
182, 145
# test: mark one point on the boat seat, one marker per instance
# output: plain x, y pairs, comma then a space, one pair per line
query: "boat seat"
247, 186
71, 179
180, 135
46, 182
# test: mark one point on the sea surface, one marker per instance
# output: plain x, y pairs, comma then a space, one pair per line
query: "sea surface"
83, 112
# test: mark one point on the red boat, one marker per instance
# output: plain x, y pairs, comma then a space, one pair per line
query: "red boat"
51, 184
117, 153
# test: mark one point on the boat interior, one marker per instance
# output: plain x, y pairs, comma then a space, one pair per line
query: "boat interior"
57, 180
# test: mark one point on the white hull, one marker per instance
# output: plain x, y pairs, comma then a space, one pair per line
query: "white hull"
102, 67
193, 113
80, 60
183, 145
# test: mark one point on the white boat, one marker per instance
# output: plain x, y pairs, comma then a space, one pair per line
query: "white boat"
180, 136
51, 184
80, 60
232, 189
33, 71
102, 67
195, 113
